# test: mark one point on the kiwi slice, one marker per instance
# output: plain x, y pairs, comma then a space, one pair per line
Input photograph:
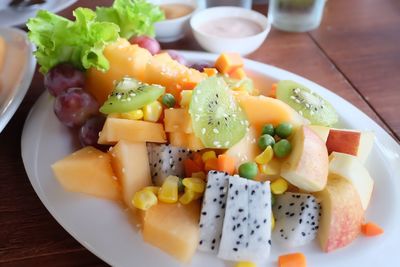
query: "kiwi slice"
217, 118
307, 103
245, 83
130, 94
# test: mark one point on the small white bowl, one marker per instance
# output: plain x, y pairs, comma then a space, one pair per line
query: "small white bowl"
218, 44
170, 30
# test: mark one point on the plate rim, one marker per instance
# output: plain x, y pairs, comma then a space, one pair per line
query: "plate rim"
26, 154
20, 89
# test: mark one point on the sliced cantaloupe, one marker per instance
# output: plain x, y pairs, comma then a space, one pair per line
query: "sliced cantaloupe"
238, 73
115, 130
125, 60
174, 228
261, 110
188, 141
246, 150
177, 120
131, 165
163, 70
228, 62
2, 52
88, 171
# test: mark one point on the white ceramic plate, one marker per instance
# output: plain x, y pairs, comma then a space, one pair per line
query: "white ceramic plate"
12, 17
16, 74
103, 227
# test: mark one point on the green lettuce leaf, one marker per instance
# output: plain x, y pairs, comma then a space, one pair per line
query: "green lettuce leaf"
80, 42
134, 17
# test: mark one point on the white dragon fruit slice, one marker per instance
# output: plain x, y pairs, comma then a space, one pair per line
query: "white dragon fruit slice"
259, 220
234, 231
166, 160
296, 219
213, 211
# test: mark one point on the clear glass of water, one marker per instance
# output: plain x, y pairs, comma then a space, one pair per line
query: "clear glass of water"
296, 15
238, 3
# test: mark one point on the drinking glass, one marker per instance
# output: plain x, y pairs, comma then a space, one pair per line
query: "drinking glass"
296, 15
238, 3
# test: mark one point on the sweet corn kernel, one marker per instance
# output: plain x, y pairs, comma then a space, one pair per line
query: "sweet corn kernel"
194, 184
272, 221
279, 186
144, 199
153, 189
200, 175
152, 112
186, 97
132, 115
245, 264
168, 192
208, 155
189, 196
265, 156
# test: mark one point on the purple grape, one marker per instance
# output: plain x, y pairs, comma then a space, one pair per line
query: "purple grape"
62, 77
201, 65
176, 56
74, 106
147, 42
89, 132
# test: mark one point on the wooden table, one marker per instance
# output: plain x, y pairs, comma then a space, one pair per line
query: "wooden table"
355, 53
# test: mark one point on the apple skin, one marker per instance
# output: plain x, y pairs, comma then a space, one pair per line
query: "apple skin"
307, 165
347, 141
351, 168
342, 214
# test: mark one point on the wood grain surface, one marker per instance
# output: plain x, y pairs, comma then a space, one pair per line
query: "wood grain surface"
355, 53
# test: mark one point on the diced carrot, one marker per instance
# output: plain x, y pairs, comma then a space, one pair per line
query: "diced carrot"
191, 167
371, 229
226, 163
210, 71
272, 93
292, 260
228, 62
238, 73
198, 160
211, 165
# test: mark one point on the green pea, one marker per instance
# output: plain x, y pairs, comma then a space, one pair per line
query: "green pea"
268, 129
181, 187
248, 170
168, 100
284, 130
273, 199
265, 140
282, 148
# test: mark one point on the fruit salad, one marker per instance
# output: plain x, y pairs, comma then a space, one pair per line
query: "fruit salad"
227, 170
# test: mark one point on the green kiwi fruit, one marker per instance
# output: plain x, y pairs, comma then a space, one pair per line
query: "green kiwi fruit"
130, 94
307, 103
217, 118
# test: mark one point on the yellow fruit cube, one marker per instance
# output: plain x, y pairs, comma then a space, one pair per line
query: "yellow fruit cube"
200, 175
168, 192
186, 97
279, 186
194, 184
265, 156
208, 155
144, 199
152, 112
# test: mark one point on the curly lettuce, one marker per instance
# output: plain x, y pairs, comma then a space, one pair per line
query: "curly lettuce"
80, 42
134, 17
